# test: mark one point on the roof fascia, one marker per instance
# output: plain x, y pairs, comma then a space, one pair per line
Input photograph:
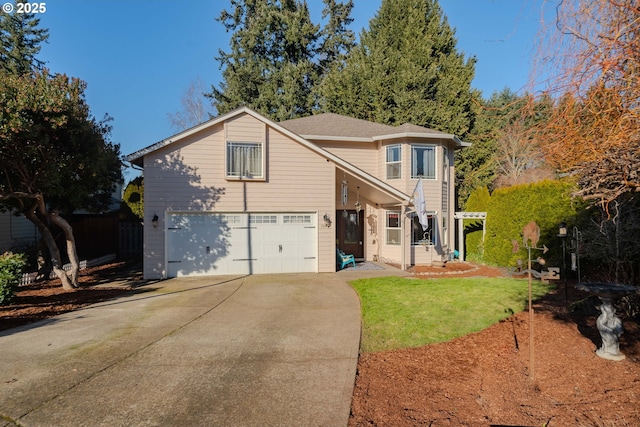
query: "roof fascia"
337, 138
392, 191
455, 139
184, 134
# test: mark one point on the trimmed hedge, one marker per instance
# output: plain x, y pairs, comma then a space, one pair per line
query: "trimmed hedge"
509, 209
11, 268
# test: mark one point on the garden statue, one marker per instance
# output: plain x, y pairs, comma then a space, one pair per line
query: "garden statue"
609, 325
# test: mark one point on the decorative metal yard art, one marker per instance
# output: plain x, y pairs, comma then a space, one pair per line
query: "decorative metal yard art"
576, 240
530, 238
609, 325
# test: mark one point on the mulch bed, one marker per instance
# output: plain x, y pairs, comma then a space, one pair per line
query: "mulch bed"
485, 378
481, 379
45, 299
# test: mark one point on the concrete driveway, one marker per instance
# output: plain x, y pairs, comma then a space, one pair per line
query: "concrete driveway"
270, 350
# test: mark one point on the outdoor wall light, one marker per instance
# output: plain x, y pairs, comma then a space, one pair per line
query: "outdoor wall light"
562, 234
562, 229
327, 220
154, 220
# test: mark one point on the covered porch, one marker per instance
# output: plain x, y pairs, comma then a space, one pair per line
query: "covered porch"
374, 222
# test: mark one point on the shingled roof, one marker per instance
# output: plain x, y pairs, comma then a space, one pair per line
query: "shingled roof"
330, 124
336, 125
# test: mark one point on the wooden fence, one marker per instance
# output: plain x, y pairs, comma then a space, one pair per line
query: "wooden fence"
130, 240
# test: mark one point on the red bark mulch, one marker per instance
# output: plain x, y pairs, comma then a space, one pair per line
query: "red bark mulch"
45, 299
485, 378
481, 379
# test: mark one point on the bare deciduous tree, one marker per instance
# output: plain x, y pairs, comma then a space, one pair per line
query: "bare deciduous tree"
195, 107
518, 157
593, 70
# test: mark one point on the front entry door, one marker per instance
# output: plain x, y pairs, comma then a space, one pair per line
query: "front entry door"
350, 232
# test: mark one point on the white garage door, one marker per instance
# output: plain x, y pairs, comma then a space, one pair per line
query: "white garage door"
240, 243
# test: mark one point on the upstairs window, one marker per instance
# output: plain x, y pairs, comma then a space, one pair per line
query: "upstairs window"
394, 165
423, 161
245, 160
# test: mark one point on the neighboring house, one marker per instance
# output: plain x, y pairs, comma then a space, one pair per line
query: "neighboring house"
241, 194
17, 233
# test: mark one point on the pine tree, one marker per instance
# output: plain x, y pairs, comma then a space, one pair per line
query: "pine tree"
20, 40
406, 69
278, 55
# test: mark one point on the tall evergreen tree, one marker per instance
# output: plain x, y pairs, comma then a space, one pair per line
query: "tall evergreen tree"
20, 40
406, 69
278, 55
476, 165
337, 39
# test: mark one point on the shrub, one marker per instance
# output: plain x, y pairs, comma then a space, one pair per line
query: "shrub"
132, 204
11, 268
510, 209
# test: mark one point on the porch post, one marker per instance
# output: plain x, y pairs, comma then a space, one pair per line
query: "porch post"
403, 210
460, 217
460, 238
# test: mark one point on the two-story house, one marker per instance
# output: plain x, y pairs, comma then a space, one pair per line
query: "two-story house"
241, 194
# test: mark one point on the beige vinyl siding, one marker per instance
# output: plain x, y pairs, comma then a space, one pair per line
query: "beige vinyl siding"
372, 234
176, 179
180, 177
363, 155
388, 253
245, 128
300, 180
434, 197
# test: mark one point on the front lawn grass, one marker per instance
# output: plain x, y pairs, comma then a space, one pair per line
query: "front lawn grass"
401, 312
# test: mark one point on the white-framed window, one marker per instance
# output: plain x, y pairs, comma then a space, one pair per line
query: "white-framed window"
393, 228
394, 161
245, 159
423, 161
419, 236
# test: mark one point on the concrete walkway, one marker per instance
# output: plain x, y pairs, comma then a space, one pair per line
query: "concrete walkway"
269, 350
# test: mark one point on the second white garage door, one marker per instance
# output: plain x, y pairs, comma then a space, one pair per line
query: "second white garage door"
241, 243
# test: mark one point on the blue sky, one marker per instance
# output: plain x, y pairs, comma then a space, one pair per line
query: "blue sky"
138, 57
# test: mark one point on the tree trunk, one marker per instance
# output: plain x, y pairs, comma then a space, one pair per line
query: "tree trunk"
37, 213
49, 241
71, 246
45, 267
